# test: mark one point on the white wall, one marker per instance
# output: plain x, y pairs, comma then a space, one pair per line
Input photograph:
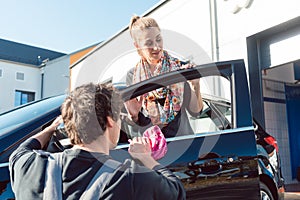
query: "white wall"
56, 80
280, 48
261, 15
188, 21
56, 76
9, 83
282, 73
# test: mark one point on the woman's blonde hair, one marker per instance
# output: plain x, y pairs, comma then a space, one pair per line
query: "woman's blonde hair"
141, 23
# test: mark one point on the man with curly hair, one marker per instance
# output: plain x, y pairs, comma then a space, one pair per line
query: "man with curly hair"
91, 116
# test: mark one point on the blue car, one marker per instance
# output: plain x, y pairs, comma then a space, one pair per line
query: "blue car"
225, 155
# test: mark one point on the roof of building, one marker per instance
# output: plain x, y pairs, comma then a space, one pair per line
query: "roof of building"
22, 53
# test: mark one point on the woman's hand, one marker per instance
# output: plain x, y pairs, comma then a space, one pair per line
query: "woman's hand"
133, 107
187, 66
195, 83
140, 149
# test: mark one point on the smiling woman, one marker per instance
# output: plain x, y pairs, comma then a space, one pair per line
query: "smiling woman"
163, 105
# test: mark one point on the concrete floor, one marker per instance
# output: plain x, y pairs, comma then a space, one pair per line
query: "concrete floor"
291, 196
292, 192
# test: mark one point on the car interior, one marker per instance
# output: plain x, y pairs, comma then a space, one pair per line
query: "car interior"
215, 116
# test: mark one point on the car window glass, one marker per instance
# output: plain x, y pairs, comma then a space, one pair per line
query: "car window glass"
215, 91
203, 122
225, 109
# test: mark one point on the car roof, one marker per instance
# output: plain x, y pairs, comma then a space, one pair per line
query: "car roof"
20, 115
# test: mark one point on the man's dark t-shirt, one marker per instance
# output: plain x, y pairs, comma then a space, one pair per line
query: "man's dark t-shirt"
129, 181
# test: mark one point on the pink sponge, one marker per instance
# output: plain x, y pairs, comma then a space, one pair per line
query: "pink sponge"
157, 141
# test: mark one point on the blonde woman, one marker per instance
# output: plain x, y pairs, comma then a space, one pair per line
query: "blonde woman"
162, 107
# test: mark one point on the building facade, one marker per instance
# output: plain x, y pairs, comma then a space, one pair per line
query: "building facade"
21, 73
29, 73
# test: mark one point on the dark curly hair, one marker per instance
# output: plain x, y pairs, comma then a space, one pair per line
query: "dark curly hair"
86, 109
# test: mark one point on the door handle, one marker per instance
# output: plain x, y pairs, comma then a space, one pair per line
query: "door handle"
208, 167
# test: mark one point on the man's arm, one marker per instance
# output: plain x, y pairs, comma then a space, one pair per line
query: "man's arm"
157, 182
27, 167
44, 136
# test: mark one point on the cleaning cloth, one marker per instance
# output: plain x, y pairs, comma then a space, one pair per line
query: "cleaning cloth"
157, 141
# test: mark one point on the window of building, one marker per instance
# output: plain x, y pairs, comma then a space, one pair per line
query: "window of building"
20, 76
22, 97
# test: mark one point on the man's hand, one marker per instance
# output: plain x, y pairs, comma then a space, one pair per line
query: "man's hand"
54, 124
140, 149
44, 136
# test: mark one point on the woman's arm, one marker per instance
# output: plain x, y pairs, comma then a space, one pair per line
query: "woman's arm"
133, 107
196, 102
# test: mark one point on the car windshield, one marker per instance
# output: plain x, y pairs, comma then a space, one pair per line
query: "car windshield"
18, 116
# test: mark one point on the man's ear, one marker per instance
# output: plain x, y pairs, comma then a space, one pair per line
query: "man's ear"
110, 121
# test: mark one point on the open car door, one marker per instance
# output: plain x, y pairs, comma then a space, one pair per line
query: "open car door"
213, 160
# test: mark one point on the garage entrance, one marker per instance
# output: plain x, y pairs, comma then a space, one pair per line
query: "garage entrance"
293, 115
274, 74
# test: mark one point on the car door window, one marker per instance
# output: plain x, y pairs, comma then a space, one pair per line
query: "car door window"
160, 107
212, 118
203, 122
225, 109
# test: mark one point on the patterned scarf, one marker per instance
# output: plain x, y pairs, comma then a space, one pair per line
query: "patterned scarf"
163, 104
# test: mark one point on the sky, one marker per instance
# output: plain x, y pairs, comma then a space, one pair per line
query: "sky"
66, 25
